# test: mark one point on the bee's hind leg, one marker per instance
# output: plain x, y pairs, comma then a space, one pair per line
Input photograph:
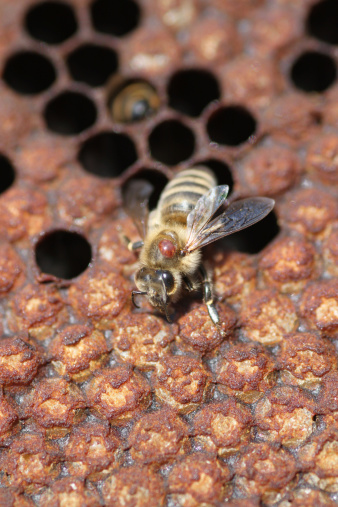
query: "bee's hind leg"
132, 245
208, 297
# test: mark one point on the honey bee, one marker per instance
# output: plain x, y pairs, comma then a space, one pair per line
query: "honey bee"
134, 101
173, 234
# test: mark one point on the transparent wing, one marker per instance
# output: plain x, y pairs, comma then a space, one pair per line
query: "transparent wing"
136, 199
204, 210
238, 216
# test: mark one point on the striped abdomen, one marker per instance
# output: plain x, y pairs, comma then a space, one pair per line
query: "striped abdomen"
182, 193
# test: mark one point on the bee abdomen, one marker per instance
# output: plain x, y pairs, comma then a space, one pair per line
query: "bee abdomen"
182, 193
134, 102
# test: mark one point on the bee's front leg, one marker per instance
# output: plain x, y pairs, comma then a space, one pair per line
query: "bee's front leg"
208, 297
132, 245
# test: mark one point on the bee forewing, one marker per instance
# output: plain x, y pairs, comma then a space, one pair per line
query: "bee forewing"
238, 216
136, 199
204, 210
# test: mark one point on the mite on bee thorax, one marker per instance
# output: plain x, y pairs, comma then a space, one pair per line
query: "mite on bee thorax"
173, 234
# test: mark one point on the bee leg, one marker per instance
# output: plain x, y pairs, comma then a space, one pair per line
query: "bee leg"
208, 297
132, 245
188, 284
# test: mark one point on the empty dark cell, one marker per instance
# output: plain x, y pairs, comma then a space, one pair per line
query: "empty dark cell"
92, 64
231, 126
313, 72
63, 254
70, 113
253, 239
171, 142
221, 171
190, 91
155, 178
51, 22
107, 154
115, 17
322, 21
29, 73
7, 174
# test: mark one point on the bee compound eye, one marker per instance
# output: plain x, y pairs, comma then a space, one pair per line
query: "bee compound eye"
168, 280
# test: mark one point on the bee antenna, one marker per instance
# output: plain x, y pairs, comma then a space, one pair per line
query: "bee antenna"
134, 293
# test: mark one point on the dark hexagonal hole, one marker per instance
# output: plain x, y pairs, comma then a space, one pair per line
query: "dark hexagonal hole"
171, 142
51, 22
190, 91
313, 71
7, 174
28, 72
107, 154
231, 125
115, 17
157, 179
70, 113
63, 254
322, 21
92, 64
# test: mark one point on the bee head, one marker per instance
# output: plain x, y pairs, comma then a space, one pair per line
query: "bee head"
157, 285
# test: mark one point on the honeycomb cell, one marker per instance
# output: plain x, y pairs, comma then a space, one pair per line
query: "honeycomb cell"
107, 154
141, 339
99, 295
63, 254
322, 21
245, 371
92, 450
8, 421
235, 275
322, 159
288, 264
222, 428
28, 73
12, 269
55, 405
196, 480
7, 174
133, 101
19, 360
231, 126
114, 17
197, 332
310, 211
330, 252
270, 170
285, 415
156, 178
118, 394
304, 359
78, 351
69, 113
313, 72
69, 491
177, 14
190, 91
319, 306
112, 249
171, 142
51, 22
266, 316
92, 64
181, 381
134, 486
158, 437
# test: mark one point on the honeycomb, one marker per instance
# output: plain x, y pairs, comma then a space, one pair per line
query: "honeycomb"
105, 404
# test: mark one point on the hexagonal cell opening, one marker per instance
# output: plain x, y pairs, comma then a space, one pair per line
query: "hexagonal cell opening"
29, 73
253, 239
133, 100
221, 170
157, 179
313, 71
7, 174
51, 22
115, 17
171, 142
190, 91
231, 125
92, 64
63, 254
70, 113
107, 154
322, 21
